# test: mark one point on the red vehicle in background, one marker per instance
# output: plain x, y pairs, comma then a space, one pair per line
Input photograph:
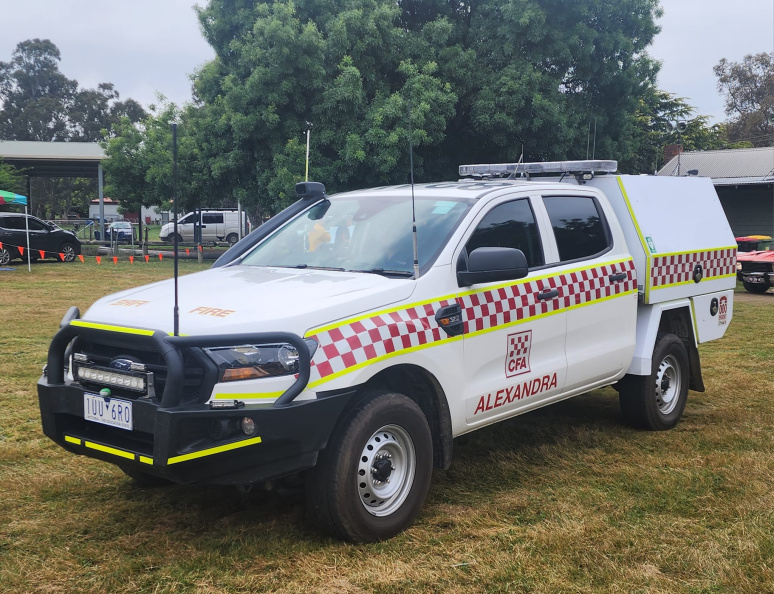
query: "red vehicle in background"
755, 263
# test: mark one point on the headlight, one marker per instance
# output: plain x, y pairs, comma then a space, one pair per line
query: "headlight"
738, 266
249, 361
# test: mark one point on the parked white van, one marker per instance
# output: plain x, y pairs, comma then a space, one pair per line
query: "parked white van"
216, 225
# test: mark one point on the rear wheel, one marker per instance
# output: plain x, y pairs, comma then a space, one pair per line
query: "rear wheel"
372, 479
232, 238
757, 288
68, 251
657, 401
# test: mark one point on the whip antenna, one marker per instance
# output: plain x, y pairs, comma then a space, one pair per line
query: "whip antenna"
413, 209
176, 312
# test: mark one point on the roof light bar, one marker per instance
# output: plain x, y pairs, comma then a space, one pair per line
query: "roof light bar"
549, 167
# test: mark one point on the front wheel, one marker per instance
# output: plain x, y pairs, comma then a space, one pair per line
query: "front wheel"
5, 256
371, 481
757, 288
657, 401
68, 251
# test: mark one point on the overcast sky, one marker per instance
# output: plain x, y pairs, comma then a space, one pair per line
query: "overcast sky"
149, 46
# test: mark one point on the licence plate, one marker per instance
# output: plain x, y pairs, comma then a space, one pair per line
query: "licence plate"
755, 279
113, 412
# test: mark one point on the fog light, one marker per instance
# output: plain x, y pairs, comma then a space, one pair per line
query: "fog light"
248, 426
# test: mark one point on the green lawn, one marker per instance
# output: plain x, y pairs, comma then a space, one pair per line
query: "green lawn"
563, 499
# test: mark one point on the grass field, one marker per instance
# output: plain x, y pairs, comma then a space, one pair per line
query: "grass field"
563, 499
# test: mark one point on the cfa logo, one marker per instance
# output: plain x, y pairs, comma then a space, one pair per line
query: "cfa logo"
723, 311
517, 358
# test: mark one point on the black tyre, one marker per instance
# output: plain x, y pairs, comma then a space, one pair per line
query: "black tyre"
68, 250
372, 479
142, 479
232, 238
657, 401
5, 256
757, 288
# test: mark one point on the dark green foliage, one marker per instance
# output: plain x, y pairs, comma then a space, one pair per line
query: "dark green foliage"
479, 78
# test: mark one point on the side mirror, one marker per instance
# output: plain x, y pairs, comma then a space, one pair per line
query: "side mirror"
492, 264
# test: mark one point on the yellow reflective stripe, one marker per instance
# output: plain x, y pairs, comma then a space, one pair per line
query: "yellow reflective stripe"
71, 439
414, 349
146, 460
545, 276
108, 450
246, 395
123, 329
645, 248
217, 450
455, 296
695, 325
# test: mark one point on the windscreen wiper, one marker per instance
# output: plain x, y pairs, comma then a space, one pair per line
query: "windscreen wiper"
383, 272
335, 269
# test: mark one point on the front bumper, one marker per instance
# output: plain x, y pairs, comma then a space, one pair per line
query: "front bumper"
763, 278
178, 436
183, 445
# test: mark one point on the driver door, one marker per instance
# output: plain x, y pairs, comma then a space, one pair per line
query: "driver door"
515, 330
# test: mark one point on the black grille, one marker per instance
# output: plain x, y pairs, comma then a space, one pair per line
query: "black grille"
195, 376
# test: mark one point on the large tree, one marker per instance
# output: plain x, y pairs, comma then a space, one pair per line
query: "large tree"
748, 87
480, 78
38, 102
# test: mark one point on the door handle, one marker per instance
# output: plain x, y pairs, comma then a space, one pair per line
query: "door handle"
614, 278
548, 294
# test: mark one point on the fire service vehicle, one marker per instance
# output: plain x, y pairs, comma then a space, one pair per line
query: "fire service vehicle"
351, 338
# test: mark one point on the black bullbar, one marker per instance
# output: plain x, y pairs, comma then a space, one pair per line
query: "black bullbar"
173, 437
169, 348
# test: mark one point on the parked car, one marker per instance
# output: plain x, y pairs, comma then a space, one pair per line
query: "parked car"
755, 263
121, 231
44, 237
216, 226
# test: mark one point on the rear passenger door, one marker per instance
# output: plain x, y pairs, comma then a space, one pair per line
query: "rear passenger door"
514, 331
597, 286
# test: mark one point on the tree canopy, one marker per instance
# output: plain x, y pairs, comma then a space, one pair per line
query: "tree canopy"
480, 79
748, 87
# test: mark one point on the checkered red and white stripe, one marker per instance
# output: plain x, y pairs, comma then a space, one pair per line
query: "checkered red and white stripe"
678, 268
519, 344
488, 309
353, 343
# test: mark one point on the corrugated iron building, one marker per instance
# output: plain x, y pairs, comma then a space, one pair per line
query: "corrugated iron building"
744, 180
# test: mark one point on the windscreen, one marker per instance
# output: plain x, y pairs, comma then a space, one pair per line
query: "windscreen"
365, 234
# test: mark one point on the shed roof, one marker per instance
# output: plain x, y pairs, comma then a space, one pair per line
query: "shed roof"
53, 159
727, 167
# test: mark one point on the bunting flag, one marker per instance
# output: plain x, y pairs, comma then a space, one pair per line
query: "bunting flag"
161, 257
42, 254
80, 257
99, 259
131, 259
187, 251
115, 259
21, 250
61, 256
11, 198
147, 257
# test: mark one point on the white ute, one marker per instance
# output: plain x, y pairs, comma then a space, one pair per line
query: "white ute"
322, 348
